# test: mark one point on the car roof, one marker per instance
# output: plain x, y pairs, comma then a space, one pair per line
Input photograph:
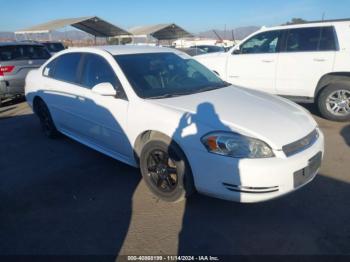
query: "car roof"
308, 24
19, 43
122, 49
134, 49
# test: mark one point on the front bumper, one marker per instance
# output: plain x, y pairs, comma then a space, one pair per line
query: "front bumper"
254, 180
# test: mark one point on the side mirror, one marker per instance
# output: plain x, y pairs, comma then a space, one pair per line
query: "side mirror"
237, 51
104, 89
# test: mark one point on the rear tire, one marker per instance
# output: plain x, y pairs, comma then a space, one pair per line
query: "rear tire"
45, 118
334, 101
166, 171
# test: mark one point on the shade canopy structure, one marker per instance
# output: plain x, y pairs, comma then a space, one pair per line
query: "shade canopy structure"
160, 31
90, 24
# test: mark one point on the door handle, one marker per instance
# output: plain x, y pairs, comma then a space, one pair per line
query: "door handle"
319, 59
266, 61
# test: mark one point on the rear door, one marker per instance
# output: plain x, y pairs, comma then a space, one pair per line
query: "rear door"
307, 55
17, 60
62, 93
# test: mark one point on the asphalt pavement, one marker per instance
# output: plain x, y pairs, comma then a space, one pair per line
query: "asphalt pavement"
58, 197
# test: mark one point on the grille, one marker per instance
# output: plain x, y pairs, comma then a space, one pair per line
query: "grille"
301, 144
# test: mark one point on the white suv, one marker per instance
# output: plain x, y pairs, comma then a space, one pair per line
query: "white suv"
305, 62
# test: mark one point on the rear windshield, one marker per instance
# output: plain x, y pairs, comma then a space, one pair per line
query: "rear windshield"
54, 47
23, 52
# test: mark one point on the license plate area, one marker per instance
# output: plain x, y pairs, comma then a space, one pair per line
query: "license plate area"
303, 175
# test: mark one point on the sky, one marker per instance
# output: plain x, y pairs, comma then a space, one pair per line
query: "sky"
193, 15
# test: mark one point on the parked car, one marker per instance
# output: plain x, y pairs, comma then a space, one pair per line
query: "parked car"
16, 59
192, 51
160, 110
53, 47
307, 63
210, 48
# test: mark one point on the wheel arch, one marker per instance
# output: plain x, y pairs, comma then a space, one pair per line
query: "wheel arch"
144, 136
157, 135
329, 78
36, 100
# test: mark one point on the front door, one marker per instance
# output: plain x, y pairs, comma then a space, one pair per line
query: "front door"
253, 64
104, 116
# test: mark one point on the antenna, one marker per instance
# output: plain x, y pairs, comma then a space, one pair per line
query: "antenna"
225, 32
233, 35
217, 35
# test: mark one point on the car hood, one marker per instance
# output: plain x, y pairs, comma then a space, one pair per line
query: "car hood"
209, 55
272, 119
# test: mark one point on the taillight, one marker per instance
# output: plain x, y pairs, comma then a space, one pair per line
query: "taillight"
6, 69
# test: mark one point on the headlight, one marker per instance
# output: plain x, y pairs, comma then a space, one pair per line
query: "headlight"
236, 145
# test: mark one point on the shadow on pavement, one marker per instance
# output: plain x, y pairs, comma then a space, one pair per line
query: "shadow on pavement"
59, 197
12, 101
312, 108
345, 133
313, 220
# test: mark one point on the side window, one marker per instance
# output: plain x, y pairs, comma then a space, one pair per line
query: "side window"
327, 41
265, 42
66, 67
303, 39
50, 69
311, 39
96, 70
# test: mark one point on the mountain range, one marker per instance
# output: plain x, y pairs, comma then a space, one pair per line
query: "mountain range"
238, 33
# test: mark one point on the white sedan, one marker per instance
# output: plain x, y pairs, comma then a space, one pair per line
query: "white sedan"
185, 128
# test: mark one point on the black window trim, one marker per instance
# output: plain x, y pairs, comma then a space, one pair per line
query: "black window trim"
285, 37
281, 47
278, 47
335, 35
79, 73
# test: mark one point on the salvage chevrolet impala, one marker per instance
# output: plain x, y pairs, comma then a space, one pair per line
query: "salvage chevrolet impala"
187, 130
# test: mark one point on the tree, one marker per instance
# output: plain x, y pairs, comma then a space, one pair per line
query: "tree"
120, 41
296, 21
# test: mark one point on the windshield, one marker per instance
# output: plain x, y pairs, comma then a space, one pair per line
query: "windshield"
156, 75
211, 49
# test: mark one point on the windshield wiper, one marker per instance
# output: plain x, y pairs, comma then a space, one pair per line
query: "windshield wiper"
169, 95
208, 88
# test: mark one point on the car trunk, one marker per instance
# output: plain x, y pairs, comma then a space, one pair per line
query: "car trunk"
14, 79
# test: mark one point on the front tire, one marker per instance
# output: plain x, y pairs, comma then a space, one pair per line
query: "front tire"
334, 102
166, 171
45, 118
